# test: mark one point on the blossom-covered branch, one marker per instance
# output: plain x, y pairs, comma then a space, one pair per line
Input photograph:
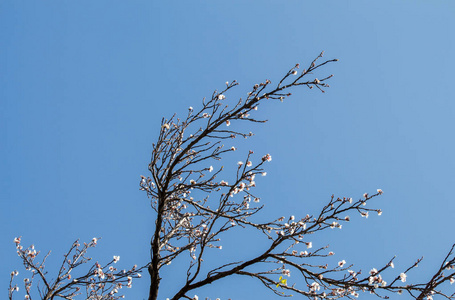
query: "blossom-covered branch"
180, 167
196, 203
97, 282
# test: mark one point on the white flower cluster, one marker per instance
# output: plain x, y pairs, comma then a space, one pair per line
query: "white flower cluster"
267, 158
375, 279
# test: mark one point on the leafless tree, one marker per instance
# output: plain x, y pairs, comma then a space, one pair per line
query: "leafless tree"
194, 206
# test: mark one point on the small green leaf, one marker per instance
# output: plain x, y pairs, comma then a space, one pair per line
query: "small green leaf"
282, 281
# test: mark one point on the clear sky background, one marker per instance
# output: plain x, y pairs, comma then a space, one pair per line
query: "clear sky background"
84, 85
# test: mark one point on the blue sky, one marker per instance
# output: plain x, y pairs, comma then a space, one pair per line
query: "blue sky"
84, 85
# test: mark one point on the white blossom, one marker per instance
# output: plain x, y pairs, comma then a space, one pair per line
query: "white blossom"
315, 287
267, 157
